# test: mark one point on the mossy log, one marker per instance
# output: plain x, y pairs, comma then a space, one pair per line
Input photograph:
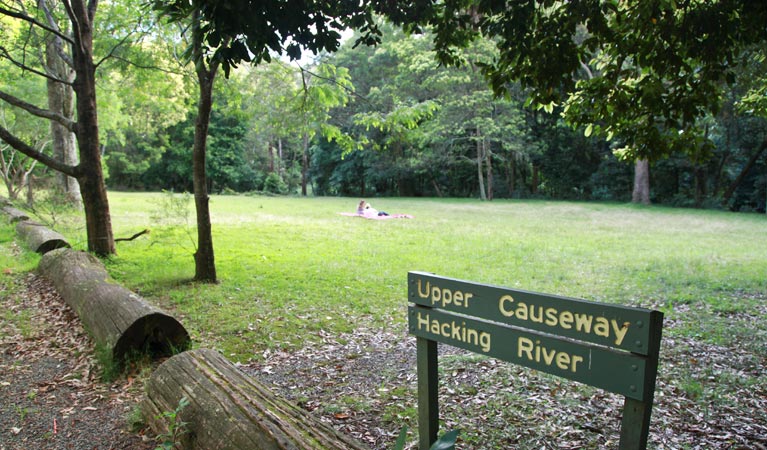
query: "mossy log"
116, 318
40, 238
14, 215
229, 410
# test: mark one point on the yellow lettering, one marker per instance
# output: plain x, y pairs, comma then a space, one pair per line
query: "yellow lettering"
548, 358
436, 295
446, 329
533, 318
566, 319
423, 294
575, 360
457, 298
467, 296
620, 333
502, 305
423, 321
583, 322
521, 311
563, 360
484, 341
551, 317
602, 327
525, 345
434, 326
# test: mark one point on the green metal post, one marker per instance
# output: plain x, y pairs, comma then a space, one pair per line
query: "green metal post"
635, 425
428, 399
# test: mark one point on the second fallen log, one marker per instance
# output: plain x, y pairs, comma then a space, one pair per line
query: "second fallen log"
39, 238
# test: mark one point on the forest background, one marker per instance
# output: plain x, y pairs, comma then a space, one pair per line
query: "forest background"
366, 122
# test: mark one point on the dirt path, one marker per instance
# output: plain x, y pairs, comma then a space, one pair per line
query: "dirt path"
51, 395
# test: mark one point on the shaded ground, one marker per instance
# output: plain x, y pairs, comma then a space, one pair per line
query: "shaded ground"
709, 396
50, 393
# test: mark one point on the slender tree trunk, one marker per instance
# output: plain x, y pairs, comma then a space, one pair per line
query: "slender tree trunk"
749, 165
204, 261
534, 180
304, 164
90, 176
480, 159
641, 193
61, 100
489, 157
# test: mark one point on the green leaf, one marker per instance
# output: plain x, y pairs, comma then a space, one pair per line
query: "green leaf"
447, 441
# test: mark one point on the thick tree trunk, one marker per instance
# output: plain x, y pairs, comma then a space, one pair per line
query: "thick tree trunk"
39, 238
61, 100
230, 411
90, 176
641, 193
116, 318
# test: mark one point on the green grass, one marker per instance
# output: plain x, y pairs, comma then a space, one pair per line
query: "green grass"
289, 267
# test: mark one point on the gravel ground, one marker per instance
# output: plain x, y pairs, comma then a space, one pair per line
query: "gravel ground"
50, 391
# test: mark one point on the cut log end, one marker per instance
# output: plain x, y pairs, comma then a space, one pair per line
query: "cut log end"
155, 334
39, 238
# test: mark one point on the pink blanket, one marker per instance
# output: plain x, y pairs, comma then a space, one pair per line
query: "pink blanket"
390, 216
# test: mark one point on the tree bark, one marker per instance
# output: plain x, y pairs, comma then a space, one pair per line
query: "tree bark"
229, 410
39, 238
118, 319
61, 100
641, 193
89, 174
204, 260
305, 164
480, 160
739, 179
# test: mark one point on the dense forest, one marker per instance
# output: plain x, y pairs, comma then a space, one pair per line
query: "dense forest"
384, 120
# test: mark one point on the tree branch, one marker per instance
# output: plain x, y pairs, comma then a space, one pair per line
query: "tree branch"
39, 112
4, 53
33, 21
13, 141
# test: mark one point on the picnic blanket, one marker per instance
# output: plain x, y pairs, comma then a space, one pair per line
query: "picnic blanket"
390, 216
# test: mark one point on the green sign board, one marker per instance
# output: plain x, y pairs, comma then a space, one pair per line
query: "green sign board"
611, 347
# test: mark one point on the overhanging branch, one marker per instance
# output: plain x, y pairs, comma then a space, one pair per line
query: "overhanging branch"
33, 21
4, 54
39, 112
26, 149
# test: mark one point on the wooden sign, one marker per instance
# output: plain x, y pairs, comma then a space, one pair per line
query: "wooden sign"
611, 347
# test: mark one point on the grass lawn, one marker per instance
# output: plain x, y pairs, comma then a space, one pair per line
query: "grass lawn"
289, 267
293, 272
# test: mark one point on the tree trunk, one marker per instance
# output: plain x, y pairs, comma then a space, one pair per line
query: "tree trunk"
228, 410
204, 261
115, 317
749, 165
489, 158
39, 238
90, 176
480, 159
61, 100
641, 193
304, 164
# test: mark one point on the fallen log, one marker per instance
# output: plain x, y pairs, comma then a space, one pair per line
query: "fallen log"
116, 318
229, 410
14, 215
39, 238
